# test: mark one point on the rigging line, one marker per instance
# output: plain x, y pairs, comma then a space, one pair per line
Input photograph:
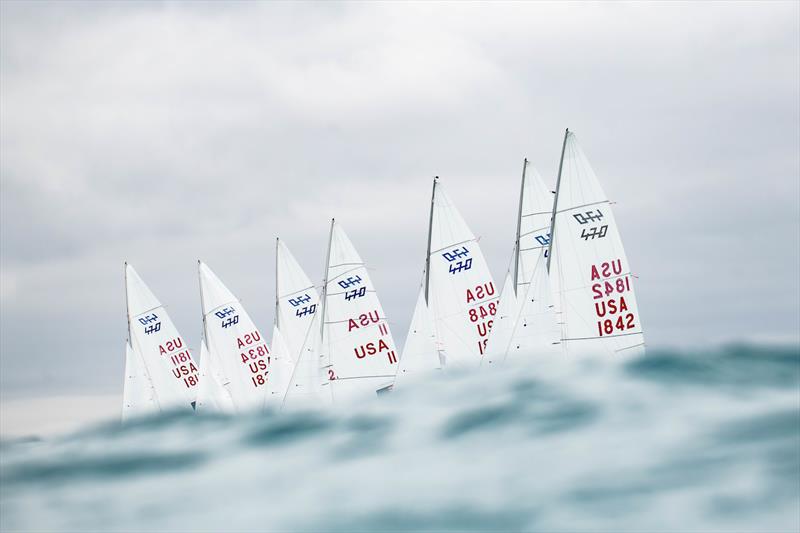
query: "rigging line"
454, 244
350, 378
346, 264
534, 231
629, 347
142, 313
603, 336
536, 213
334, 278
312, 286
583, 205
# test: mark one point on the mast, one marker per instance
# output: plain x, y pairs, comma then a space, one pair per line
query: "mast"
202, 304
325, 281
519, 226
430, 229
555, 203
277, 296
127, 304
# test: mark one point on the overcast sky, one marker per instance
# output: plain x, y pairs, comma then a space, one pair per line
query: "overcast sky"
160, 133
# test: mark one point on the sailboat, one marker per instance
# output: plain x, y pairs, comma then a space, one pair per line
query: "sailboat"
350, 339
235, 342
459, 290
160, 373
526, 325
589, 271
296, 302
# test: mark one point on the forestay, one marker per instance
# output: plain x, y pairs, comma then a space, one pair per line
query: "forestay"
420, 354
588, 267
461, 294
357, 351
233, 339
164, 355
212, 394
138, 397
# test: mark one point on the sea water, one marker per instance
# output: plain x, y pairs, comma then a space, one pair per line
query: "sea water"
696, 441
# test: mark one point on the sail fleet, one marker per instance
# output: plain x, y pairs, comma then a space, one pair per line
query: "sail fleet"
568, 291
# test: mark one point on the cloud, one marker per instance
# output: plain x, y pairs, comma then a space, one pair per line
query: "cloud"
160, 133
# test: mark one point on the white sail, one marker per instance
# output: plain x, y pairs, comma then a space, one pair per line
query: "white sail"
503, 327
535, 331
296, 300
534, 237
420, 354
531, 329
281, 367
357, 352
462, 297
234, 340
212, 394
589, 271
305, 386
138, 397
164, 354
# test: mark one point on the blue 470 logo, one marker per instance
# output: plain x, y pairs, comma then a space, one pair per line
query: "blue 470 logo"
299, 300
589, 216
457, 264
151, 323
307, 310
225, 315
355, 293
350, 282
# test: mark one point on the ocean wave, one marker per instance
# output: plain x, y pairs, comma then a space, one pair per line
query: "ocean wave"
701, 441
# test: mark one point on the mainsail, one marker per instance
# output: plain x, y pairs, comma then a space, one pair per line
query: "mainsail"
357, 353
589, 271
157, 351
233, 339
459, 289
296, 302
530, 328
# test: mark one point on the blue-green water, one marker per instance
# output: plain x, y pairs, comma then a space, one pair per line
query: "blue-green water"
704, 441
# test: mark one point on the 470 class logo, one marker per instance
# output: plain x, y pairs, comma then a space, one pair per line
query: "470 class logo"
224, 315
151, 323
457, 264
